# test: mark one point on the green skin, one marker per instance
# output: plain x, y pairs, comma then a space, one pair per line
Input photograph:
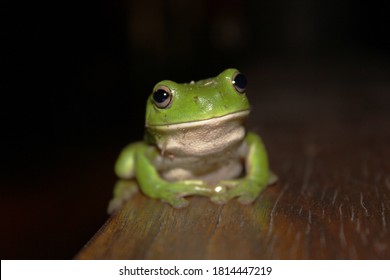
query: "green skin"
196, 101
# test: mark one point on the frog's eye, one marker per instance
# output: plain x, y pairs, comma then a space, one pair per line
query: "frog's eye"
239, 82
162, 97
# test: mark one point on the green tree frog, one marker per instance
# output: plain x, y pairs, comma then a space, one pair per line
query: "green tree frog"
195, 144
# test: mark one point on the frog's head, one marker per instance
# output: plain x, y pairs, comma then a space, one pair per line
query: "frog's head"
173, 103
198, 118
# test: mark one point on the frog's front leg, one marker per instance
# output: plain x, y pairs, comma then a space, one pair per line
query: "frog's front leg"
257, 176
154, 186
126, 186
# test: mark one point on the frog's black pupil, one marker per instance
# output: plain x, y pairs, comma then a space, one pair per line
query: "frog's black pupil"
240, 82
160, 95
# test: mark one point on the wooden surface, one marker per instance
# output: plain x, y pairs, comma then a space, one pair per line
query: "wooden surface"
74, 94
332, 200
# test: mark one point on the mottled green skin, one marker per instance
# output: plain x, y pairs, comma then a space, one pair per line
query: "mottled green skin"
203, 100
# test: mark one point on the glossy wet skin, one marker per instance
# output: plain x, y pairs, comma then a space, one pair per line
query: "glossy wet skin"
173, 103
195, 144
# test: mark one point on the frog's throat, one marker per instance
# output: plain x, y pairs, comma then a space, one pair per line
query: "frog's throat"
211, 121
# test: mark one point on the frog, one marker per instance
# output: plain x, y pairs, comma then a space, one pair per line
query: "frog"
195, 144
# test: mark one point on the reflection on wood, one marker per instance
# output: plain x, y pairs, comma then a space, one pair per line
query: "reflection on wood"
332, 200
331, 204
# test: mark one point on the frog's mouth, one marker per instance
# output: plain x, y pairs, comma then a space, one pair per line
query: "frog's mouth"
199, 138
212, 122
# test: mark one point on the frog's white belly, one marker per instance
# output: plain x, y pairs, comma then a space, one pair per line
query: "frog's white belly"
209, 150
225, 165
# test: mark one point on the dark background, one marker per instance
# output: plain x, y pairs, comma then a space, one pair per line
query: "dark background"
76, 75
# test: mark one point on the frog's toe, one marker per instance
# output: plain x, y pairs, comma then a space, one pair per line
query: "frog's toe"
246, 191
246, 199
125, 189
219, 199
177, 202
114, 205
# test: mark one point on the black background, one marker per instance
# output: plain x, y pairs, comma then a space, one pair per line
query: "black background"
76, 75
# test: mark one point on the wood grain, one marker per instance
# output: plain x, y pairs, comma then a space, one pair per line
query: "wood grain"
332, 202
331, 151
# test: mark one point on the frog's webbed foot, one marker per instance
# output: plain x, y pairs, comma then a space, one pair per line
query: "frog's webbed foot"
174, 192
123, 191
175, 201
246, 189
220, 194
